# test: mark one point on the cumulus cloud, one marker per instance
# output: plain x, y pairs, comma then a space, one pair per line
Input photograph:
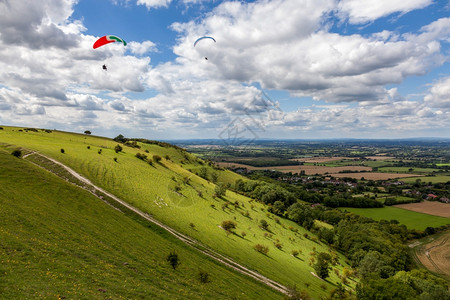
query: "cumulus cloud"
50, 74
154, 3
363, 11
142, 48
439, 95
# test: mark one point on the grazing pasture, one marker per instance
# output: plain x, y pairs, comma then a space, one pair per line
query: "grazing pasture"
411, 219
59, 241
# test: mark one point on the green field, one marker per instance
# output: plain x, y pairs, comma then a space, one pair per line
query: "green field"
407, 170
411, 219
58, 240
432, 179
174, 195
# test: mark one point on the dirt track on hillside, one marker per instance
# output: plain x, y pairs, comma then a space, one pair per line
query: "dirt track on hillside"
187, 240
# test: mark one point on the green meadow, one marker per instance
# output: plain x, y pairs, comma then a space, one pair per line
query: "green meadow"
172, 192
432, 179
58, 240
411, 219
407, 170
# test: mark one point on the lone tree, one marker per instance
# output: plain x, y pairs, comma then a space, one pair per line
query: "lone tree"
87, 132
220, 190
173, 260
263, 224
322, 266
120, 138
118, 148
228, 225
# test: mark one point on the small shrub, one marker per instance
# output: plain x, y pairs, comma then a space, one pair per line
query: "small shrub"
192, 225
203, 276
115, 159
89, 147
141, 156
118, 148
261, 249
173, 260
278, 245
62, 150
294, 253
157, 158
243, 234
150, 161
17, 153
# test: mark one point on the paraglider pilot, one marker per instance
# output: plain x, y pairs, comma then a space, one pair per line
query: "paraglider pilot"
105, 68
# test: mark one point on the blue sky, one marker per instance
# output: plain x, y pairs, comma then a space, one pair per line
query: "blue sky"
279, 68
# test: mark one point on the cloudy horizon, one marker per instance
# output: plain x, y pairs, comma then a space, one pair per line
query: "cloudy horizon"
288, 69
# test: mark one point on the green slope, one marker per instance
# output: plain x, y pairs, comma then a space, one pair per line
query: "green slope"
174, 194
59, 240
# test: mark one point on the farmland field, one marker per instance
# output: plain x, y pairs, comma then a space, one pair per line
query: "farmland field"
411, 219
434, 254
379, 157
407, 169
428, 207
309, 170
374, 175
321, 159
432, 179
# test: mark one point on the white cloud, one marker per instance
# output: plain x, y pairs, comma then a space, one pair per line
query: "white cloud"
439, 96
291, 50
363, 11
142, 48
154, 3
51, 77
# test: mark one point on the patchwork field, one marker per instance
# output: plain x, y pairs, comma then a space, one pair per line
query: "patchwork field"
428, 207
309, 170
322, 159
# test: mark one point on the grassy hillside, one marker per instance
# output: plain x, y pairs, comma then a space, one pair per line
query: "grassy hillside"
172, 192
59, 240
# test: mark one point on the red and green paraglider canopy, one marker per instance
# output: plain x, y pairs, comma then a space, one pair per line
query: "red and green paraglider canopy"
108, 39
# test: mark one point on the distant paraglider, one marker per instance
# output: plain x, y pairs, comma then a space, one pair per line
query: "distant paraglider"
202, 38
106, 40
